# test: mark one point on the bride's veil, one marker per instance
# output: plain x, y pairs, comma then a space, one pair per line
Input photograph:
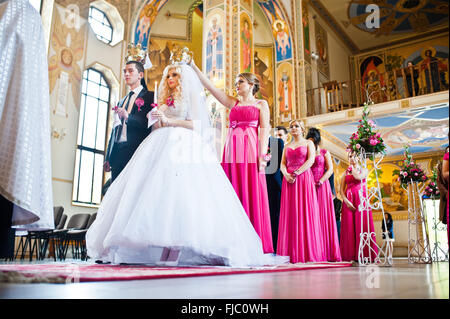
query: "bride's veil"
193, 98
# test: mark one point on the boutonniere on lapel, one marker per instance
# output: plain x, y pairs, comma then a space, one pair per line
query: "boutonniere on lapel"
139, 102
115, 108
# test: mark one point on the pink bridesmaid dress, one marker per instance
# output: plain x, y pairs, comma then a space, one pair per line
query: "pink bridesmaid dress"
351, 223
240, 163
326, 209
446, 156
299, 234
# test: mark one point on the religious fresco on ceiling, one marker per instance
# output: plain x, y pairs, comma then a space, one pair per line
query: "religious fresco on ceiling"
280, 29
426, 130
398, 16
146, 17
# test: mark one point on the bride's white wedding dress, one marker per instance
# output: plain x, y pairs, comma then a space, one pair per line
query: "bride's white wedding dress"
174, 193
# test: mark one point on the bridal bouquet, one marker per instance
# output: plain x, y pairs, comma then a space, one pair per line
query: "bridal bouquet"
366, 137
410, 171
432, 190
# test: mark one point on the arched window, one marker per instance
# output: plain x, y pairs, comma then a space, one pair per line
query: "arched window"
90, 154
100, 25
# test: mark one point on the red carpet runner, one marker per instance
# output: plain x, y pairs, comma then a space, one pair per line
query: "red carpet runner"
73, 272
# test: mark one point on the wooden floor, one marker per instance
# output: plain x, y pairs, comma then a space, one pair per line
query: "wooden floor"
403, 280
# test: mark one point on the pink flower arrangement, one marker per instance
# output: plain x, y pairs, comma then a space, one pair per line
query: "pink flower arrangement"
366, 137
432, 190
410, 171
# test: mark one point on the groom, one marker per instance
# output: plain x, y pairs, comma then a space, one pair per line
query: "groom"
130, 127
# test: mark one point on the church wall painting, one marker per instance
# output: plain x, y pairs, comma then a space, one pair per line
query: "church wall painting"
306, 28
247, 4
285, 92
66, 60
322, 49
146, 17
372, 74
380, 68
246, 43
214, 46
280, 29
263, 62
159, 49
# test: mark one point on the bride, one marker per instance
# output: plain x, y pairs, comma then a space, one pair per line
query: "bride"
173, 204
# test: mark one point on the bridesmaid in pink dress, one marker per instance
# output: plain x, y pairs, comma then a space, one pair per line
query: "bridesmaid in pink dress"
445, 176
351, 215
245, 153
322, 170
300, 235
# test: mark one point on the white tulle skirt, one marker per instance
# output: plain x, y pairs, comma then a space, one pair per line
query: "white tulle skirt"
173, 193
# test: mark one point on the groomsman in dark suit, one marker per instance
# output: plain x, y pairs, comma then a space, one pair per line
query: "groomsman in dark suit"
131, 130
274, 180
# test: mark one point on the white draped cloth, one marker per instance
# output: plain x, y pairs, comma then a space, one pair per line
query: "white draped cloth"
25, 154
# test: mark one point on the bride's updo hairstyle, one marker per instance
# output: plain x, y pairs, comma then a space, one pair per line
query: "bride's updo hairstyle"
252, 79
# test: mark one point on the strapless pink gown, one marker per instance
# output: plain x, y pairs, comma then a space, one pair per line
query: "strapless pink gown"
240, 163
299, 234
351, 223
326, 209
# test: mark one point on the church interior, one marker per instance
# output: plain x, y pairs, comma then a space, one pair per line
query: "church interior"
320, 61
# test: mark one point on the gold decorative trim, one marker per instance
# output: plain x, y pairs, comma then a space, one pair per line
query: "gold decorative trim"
405, 104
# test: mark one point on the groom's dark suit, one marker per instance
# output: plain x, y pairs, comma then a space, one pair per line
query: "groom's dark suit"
119, 152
